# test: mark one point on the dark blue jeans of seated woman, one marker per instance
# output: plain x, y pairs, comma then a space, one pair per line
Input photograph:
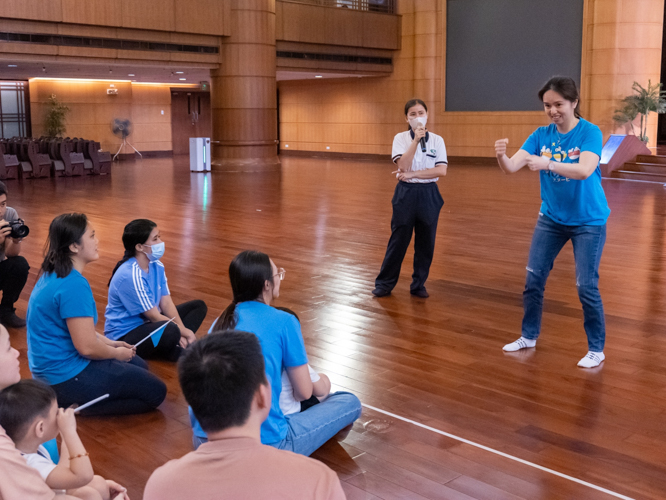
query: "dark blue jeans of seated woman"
588, 244
132, 388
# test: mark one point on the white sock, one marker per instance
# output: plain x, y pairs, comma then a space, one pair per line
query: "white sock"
591, 359
521, 343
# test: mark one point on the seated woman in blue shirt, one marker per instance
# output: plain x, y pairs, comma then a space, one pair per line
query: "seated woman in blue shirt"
255, 282
566, 154
140, 301
64, 350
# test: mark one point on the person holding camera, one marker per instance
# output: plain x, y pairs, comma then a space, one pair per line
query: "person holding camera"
13, 268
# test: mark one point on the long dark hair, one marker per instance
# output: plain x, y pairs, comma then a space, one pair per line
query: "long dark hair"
564, 86
135, 233
64, 230
248, 272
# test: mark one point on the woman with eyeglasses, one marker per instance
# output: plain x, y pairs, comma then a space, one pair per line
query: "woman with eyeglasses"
255, 282
566, 154
140, 301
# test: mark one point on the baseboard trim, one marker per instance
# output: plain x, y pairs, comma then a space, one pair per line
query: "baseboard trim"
144, 154
453, 160
334, 155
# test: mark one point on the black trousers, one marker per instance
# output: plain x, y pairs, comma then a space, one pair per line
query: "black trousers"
192, 313
13, 276
416, 209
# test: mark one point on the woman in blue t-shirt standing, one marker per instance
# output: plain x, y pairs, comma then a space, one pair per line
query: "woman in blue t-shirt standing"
566, 154
64, 350
255, 282
140, 301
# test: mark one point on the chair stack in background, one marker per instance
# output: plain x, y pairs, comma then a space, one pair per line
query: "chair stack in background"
23, 158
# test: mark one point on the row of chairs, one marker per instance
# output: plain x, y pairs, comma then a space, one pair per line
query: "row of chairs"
46, 157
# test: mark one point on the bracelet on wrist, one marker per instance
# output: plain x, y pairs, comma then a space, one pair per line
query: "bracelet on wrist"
79, 456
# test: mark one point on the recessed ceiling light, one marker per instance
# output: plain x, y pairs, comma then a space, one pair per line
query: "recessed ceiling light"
182, 79
179, 72
318, 76
12, 65
130, 74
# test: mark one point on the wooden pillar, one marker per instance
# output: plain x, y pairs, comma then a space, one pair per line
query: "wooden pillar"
426, 18
244, 91
623, 41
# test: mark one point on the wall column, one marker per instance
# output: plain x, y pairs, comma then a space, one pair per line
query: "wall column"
623, 45
426, 17
243, 91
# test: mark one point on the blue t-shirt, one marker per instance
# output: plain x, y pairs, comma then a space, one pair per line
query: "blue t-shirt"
567, 201
51, 352
279, 334
131, 293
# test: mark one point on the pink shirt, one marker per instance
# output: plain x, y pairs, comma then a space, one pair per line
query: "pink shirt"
18, 481
242, 468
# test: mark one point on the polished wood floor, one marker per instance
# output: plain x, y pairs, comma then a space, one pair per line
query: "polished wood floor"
436, 361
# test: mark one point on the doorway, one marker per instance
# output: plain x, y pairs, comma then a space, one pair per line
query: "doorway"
190, 117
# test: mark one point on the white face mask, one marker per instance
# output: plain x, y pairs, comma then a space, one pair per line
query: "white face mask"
414, 122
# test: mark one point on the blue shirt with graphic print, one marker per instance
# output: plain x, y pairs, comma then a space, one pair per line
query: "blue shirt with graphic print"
567, 201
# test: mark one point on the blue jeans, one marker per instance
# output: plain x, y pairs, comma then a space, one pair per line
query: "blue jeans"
310, 429
588, 244
132, 388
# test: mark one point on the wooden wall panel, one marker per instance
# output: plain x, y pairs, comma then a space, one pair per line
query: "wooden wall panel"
92, 111
91, 12
297, 22
149, 14
623, 46
38, 10
209, 17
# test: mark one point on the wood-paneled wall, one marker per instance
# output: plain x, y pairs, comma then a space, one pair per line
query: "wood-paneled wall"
92, 111
297, 22
622, 43
187, 16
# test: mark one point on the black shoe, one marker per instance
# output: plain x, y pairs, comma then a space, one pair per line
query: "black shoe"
381, 292
420, 293
11, 320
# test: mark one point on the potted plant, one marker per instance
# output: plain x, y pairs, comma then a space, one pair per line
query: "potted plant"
55, 117
642, 102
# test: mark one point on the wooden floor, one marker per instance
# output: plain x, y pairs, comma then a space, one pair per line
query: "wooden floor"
437, 361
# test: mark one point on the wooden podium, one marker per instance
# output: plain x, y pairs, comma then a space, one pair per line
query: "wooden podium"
618, 150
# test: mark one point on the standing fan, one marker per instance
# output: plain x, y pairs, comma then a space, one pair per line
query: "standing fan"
123, 128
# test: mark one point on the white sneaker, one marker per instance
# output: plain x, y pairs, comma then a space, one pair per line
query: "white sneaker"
521, 343
591, 359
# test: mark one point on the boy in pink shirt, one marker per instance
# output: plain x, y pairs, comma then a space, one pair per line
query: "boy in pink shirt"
223, 380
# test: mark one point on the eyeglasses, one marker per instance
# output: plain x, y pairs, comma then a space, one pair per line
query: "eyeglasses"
281, 272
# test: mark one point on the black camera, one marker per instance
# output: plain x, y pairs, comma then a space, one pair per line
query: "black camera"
19, 229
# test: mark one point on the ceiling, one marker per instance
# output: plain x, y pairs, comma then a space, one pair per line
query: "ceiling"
140, 72
24, 70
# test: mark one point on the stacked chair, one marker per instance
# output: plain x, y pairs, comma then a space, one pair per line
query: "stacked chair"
57, 157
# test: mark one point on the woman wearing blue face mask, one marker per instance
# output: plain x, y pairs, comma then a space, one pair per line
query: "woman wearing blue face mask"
140, 302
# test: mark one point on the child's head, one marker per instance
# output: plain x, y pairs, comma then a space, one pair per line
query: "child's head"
28, 412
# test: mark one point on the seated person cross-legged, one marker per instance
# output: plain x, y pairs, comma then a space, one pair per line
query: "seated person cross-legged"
30, 415
255, 282
64, 350
224, 381
140, 301
17, 479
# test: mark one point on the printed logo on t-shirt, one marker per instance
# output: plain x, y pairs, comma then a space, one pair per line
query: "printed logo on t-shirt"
574, 154
433, 152
559, 156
